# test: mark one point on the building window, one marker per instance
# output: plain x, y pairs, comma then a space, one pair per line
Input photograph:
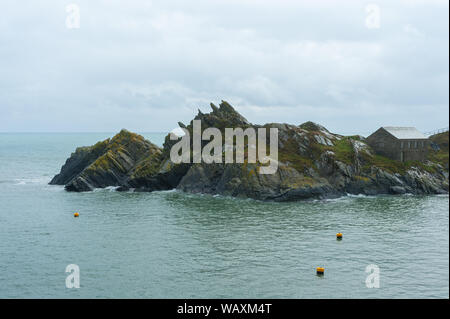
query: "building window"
415, 144
401, 144
423, 144
409, 144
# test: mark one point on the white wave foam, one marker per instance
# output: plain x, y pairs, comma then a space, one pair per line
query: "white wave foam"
360, 196
27, 181
106, 189
173, 190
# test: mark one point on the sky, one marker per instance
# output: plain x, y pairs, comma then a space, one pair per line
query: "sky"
351, 66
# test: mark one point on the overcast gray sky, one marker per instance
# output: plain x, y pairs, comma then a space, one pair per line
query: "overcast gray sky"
145, 65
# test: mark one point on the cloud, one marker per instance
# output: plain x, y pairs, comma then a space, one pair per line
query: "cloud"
147, 65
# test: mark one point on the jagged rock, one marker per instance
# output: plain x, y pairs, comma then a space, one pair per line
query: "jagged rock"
314, 127
214, 108
312, 163
323, 140
440, 153
244, 181
78, 161
397, 190
109, 163
223, 116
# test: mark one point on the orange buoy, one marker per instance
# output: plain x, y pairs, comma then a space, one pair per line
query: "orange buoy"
339, 235
320, 270
76, 215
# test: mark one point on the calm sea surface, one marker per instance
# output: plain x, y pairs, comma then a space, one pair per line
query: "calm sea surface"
176, 245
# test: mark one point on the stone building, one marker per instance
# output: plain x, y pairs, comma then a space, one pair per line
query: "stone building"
399, 143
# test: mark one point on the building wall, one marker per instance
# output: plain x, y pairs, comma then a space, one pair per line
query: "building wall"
384, 144
387, 145
414, 150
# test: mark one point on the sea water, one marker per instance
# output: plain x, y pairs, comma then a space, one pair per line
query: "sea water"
175, 245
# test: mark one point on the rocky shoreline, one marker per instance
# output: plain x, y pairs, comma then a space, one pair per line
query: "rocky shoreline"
312, 163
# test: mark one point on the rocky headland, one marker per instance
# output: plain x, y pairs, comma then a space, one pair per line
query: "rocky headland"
312, 163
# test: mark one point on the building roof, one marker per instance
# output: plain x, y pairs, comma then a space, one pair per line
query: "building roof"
404, 133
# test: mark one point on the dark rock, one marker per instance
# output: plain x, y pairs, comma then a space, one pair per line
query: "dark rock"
78, 161
397, 190
319, 192
435, 146
311, 126
109, 163
312, 163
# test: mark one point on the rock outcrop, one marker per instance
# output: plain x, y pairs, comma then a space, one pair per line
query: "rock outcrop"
440, 154
109, 163
312, 163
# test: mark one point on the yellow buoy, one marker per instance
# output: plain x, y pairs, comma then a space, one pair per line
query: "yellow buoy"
320, 270
339, 235
76, 215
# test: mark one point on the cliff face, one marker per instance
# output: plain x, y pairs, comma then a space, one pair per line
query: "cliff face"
440, 149
312, 163
108, 163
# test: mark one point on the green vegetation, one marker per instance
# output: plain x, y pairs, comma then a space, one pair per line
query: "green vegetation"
441, 156
97, 149
106, 161
387, 164
309, 157
344, 150
290, 154
305, 181
115, 154
393, 166
148, 166
441, 140
310, 126
362, 178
